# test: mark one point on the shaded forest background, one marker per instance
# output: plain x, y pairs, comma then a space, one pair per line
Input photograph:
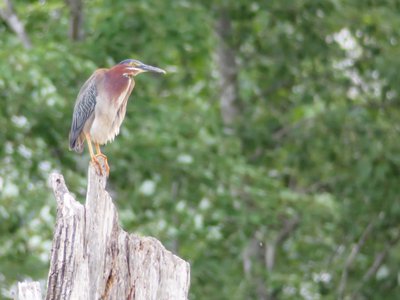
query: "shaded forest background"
268, 156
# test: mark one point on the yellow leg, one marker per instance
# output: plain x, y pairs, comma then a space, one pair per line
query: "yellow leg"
92, 155
103, 156
98, 150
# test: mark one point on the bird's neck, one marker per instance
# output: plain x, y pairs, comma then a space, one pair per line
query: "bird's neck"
116, 82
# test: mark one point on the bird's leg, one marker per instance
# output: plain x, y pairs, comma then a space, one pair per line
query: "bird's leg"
92, 156
103, 156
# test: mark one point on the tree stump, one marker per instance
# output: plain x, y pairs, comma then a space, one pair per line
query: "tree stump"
93, 258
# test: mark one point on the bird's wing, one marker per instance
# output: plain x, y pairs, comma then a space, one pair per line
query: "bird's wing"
84, 108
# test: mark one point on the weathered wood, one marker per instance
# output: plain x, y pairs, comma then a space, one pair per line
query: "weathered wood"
93, 258
29, 291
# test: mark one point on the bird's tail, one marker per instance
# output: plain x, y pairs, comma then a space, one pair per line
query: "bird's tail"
76, 143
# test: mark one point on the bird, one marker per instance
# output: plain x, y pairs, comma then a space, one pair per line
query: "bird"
100, 107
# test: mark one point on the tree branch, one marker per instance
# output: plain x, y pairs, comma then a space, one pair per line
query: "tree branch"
270, 249
254, 249
227, 68
76, 32
8, 15
377, 263
350, 259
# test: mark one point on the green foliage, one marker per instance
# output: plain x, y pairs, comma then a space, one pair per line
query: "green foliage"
316, 141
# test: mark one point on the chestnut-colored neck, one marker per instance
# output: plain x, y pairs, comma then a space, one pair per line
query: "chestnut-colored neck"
117, 79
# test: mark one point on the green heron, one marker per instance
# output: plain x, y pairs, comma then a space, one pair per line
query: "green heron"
101, 105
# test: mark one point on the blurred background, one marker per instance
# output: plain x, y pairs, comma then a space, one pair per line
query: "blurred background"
268, 156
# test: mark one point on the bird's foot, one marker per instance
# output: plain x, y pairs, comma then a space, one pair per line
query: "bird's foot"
106, 166
97, 166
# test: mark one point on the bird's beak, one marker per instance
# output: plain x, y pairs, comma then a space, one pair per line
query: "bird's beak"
147, 68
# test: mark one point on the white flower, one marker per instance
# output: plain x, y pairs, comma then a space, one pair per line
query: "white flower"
10, 190
185, 159
34, 242
20, 121
198, 221
204, 204
180, 206
214, 233
382, 273
45, 166
24, 151
148, 187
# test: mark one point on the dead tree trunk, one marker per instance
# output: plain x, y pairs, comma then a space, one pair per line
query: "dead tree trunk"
93, 258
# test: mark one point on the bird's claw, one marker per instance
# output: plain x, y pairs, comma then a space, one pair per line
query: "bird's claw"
99, 168
105, 162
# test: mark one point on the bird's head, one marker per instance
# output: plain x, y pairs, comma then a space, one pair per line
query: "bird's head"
135, 67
